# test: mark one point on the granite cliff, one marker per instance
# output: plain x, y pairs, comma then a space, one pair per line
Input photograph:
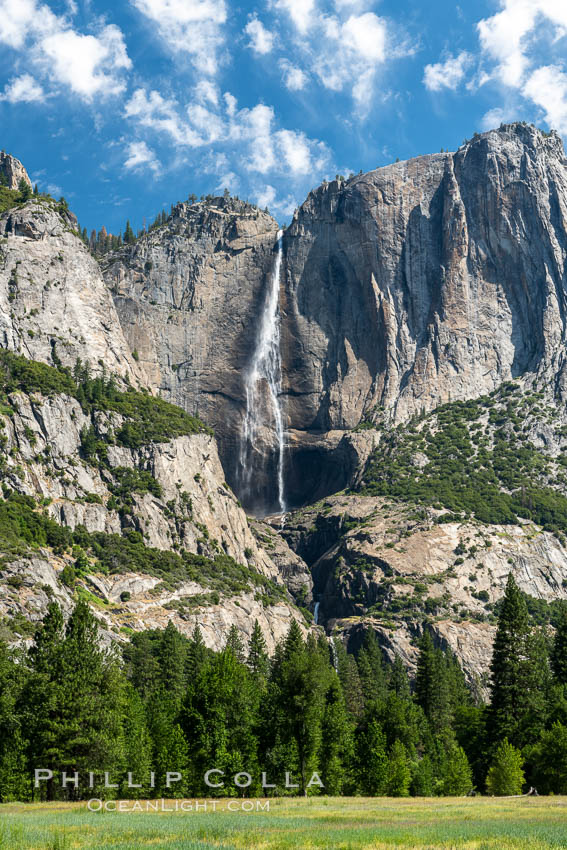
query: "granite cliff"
422, 281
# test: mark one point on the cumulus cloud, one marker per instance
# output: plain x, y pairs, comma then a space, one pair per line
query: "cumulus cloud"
512, 41
301, 12
195, 27
261, 39
23, 89
87, 64
139, 155
448, 74
343, 47
294, 78
547, 87
247, 138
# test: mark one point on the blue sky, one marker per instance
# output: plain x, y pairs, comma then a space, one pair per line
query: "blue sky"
126, 107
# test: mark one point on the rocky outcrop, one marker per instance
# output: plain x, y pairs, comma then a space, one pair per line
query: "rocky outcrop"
132, 602
195, 510
12, 171
54, 305
396, 569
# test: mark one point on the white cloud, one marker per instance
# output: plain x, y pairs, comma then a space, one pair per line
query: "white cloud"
156, 113
54, 190
241, 138
189, 26
494, 117
515, 39
365, 35
20, 19
448, 74
301, 12
24, 89
344, 50
229, 181
89, 64
140, 155
505, 36
261, 39
547, 87
266, 196
296, 151
294, 78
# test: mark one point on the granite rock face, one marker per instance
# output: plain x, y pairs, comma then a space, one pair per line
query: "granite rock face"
194, 511
427, 280
54, 304
189, 295
12, 170
393, 567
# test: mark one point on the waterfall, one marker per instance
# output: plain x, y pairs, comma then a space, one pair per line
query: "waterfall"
334, 654
265, 370
316, 613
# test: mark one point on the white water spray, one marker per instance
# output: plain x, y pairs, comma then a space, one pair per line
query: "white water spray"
266, 369
316, 613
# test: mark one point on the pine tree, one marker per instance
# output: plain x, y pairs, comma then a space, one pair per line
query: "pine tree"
350, 681
371, 669
171, 655
399, 681
258, 661
371, 758
196, 655
399, 775
235, 644
137, 742
14, 783
218, 721
508, 662
559, 650
24, 189
506, 777
129, 237
72, 715
432, 688
336, 741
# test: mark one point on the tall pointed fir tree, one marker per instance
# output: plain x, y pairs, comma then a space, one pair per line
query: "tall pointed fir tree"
559, 650
518, 671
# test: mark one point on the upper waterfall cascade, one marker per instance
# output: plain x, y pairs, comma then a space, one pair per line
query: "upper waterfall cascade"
265, 374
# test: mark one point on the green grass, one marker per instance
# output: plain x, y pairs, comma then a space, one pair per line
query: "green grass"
338, 823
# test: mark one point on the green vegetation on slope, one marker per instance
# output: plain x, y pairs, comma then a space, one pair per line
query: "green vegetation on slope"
24, 528
148, 419
475, 459
8, 198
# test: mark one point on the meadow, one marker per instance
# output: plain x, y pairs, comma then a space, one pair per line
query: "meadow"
340, 823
